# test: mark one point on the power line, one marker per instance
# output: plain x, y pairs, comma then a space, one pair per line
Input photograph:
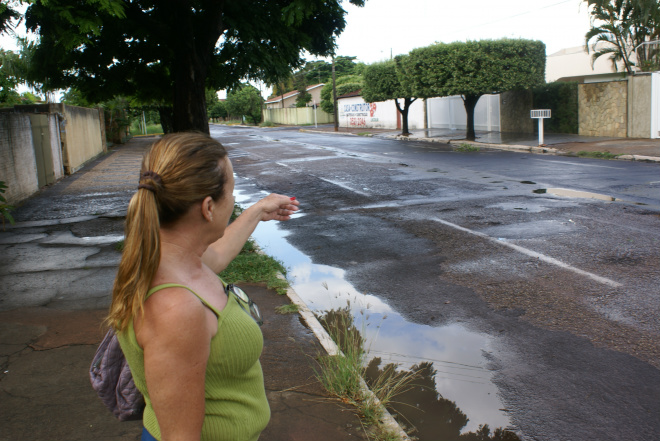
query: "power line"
516, 15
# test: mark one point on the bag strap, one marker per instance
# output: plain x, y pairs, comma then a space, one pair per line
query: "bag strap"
176, 285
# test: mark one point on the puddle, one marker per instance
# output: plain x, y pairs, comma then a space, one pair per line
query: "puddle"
457, 354
528, 182
574, 194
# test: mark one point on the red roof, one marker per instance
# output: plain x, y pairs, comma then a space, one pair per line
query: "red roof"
351, 94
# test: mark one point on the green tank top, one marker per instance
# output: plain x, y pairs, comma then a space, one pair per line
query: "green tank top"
236, 406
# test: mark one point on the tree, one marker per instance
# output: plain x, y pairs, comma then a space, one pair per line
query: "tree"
170, 50
8, 78
346, 84
474, 68
301, 85
319, 71
219, 110
383, 82
9, 15
619, 27
245, 100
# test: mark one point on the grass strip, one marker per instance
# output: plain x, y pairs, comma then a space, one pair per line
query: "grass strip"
252, 266
598, 155
343, 375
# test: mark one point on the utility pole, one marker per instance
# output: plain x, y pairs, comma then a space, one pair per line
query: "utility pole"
334, 95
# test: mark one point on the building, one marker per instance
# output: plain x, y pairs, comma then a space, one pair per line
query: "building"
289, 98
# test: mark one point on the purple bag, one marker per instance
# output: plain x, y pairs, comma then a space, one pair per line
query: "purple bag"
112, 380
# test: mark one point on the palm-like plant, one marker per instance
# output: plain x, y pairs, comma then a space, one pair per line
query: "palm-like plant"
619, 27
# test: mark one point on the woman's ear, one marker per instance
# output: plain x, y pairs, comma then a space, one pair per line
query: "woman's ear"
208, 206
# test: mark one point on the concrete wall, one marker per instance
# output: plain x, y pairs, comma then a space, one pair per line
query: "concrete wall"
297, 116
602, 109
18, 168
639, 106
354, 112
449, 113
56, 145
290, 98
81, 137
515, 107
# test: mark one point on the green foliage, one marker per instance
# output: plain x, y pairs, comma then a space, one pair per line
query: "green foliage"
381, 83
474, 68
319, 71
266, 124
5, 208
8, 16
562, 99
619, 27
218, 110
245, 101
385, 81
466, 147
290, 308
300, 83
599, 155
8, 79
344, 85
251, 266
170, 51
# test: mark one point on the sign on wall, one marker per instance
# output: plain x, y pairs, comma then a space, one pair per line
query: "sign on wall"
359, 113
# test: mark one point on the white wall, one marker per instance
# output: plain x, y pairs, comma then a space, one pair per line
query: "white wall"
449, 113
354, 112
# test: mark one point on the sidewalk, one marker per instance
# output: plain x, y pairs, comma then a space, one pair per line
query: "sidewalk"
641, 149
56, 270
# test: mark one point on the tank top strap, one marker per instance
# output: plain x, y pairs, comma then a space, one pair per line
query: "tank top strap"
176, 285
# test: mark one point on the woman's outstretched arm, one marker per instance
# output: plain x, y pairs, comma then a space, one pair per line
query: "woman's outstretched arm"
273, 207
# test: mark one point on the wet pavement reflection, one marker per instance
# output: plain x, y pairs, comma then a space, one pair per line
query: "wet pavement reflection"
453, 357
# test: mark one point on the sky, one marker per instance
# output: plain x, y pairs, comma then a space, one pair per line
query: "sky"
391, 27
384, 28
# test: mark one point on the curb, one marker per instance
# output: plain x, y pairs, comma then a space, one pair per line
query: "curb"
332, 349
519, 148
327, 133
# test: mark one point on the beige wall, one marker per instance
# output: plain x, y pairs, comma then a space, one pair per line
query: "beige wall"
602, 109
290, 101
297, 116
18, 167
639, 106
576, 62
81, 137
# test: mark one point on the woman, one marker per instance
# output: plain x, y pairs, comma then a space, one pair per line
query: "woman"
193, 350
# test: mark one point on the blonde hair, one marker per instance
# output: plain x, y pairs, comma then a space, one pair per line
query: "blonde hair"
178, 171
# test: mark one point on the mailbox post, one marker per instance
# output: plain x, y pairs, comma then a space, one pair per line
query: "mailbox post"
541, 115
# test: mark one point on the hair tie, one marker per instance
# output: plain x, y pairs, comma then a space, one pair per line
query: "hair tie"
150, 175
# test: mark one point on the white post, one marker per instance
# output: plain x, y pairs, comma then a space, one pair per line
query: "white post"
144, 124
541, 114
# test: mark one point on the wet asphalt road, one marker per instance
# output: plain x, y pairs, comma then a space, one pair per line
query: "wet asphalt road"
566, 287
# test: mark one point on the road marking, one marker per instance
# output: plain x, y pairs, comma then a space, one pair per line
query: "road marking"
531, 253
577, 163
342, 185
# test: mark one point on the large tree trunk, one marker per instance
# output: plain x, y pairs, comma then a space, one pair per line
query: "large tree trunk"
470, 102
193, 42
189, 97
166, 117
404, 114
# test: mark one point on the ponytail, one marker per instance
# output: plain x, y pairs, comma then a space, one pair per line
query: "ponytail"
140, 259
